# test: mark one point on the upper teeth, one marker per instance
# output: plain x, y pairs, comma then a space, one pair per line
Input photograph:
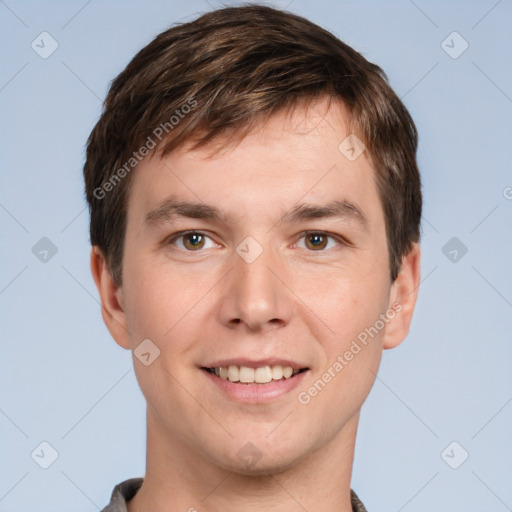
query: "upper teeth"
260, 375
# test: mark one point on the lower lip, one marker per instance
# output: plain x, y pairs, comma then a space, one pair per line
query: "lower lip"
256, 393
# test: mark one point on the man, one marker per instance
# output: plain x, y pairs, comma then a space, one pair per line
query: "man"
255, 207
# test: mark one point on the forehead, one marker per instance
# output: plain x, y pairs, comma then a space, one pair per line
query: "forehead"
297, 156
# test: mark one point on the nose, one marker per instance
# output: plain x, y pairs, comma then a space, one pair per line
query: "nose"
255, 294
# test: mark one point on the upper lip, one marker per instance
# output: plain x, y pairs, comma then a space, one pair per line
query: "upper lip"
252, 363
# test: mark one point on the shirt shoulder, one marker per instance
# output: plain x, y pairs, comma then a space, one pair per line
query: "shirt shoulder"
357, 504
122, 493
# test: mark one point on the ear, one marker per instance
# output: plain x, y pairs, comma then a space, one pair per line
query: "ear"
112, 300
403, 295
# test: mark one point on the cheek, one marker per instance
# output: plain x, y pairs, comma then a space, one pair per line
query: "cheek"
346, 304
150, 302
163, 306
352, 353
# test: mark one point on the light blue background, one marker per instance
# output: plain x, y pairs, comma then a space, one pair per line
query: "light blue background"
65, 381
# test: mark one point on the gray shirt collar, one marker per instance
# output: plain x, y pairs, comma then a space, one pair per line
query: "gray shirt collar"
126, 490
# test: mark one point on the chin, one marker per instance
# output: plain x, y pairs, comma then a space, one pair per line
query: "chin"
263, 467
262, 458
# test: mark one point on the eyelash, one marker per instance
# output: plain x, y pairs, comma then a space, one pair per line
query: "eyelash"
181, 234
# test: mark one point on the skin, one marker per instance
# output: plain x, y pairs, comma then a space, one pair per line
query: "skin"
294, 301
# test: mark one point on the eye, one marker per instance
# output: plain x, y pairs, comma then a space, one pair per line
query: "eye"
192, 240
318, 240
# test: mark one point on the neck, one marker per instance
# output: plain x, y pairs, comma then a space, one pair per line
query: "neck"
179, 479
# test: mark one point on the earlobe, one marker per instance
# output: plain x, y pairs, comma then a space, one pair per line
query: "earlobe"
112, 298
403, 295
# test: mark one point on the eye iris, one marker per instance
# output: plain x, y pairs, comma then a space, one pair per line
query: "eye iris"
197, 240
319, 240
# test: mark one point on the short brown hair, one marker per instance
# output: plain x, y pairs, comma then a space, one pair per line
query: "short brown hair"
222, 73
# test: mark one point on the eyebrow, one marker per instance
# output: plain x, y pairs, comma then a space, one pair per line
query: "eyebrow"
171, 208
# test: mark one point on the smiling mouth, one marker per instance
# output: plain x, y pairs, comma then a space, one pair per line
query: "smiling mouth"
261, 375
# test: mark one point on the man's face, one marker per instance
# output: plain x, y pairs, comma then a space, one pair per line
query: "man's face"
254, 287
